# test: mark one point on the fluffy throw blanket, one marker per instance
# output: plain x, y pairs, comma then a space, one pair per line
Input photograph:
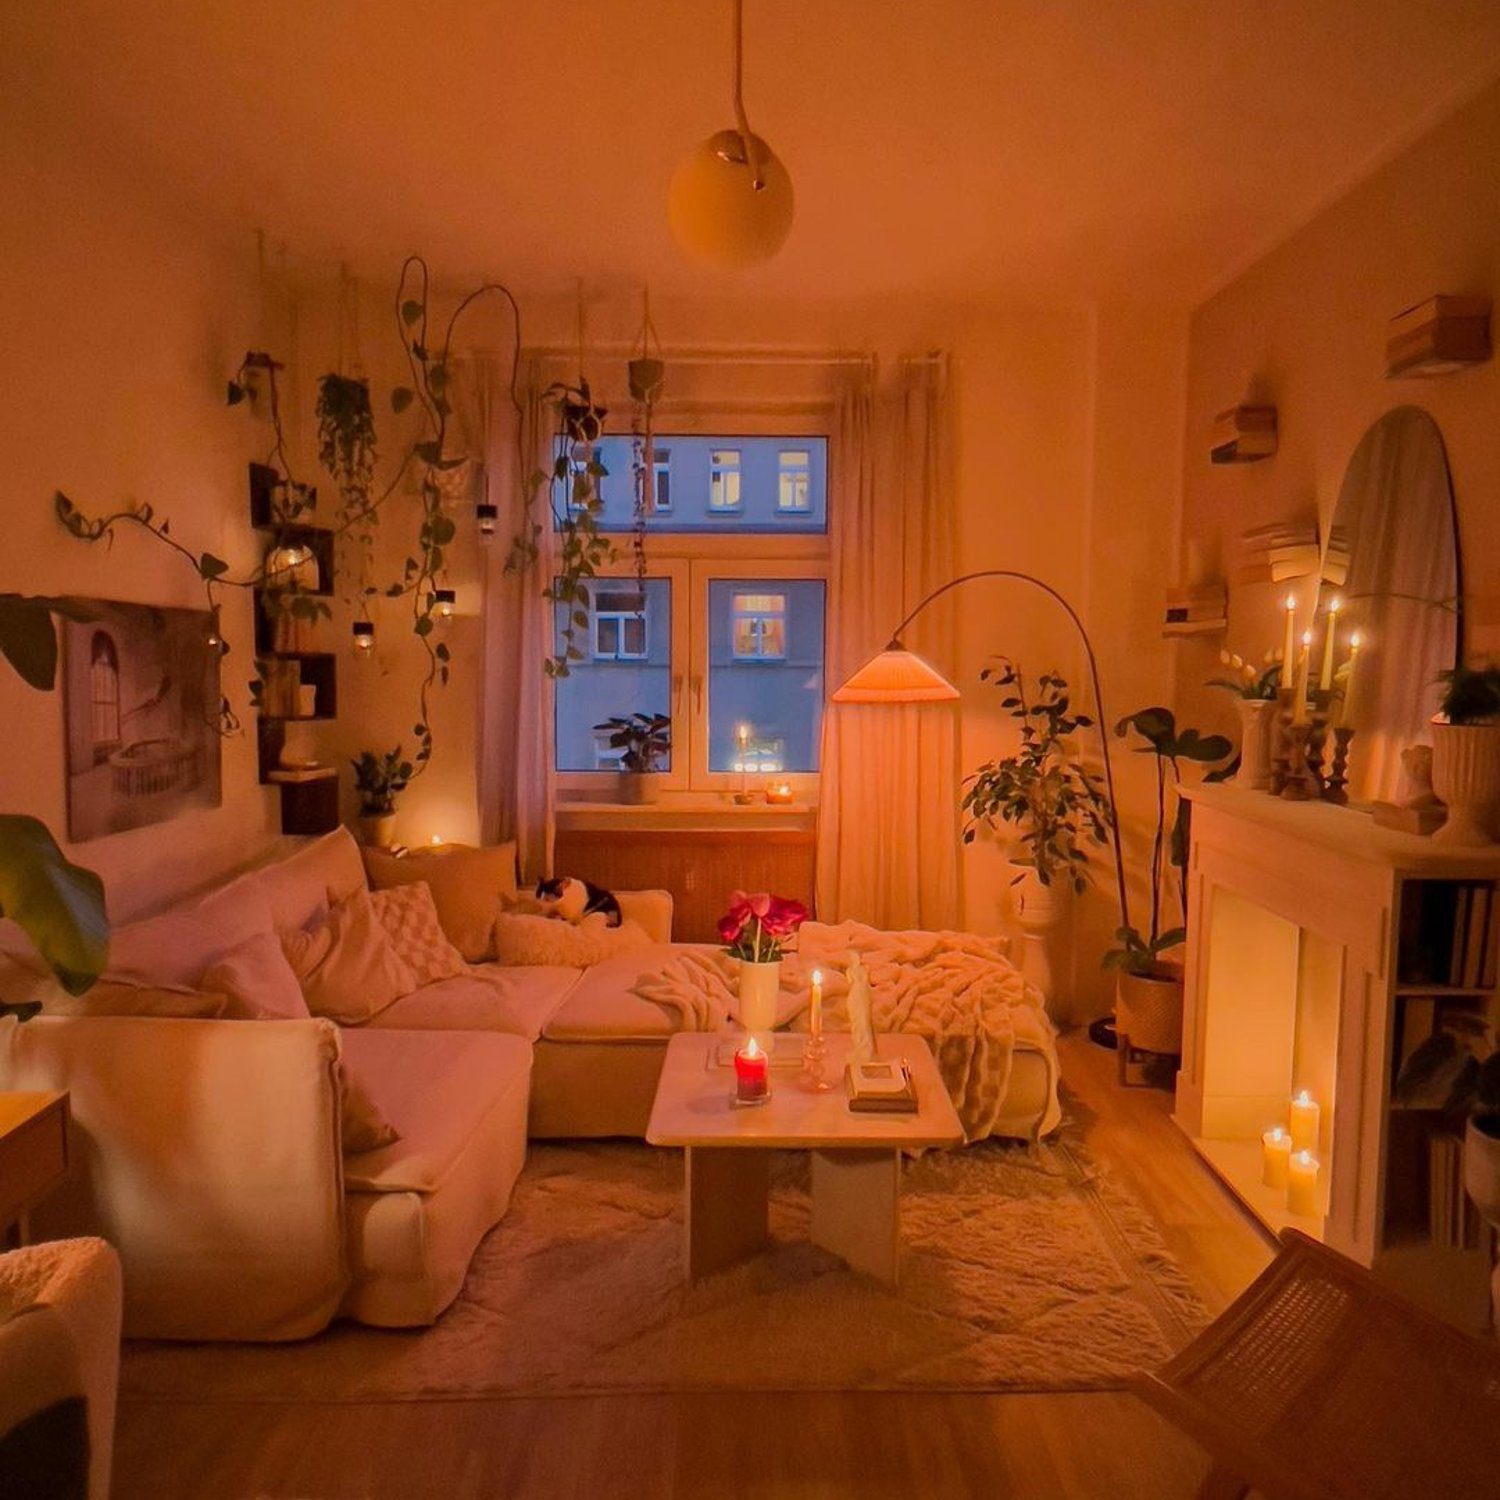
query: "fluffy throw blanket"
525, 938
957, 990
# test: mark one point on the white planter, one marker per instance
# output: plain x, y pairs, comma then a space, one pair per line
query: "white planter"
1039, 910
378, 832
639, 788
1466, 776
1257, 723
759, 986
1482, 1167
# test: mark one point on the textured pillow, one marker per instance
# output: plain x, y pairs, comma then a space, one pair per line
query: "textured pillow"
467, 886
362, 1125
346, 966
23, 980
521, 938
411, 923
258, 980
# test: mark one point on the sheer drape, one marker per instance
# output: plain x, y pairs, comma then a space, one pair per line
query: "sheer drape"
515, 776
888, 823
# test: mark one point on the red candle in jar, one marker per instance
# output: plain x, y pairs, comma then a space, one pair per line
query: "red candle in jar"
752, 1076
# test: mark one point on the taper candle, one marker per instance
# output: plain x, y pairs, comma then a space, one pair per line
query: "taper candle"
815, 1010
1302, 1183
1299, 691
1305, 1118
1275, 1153
1291, 639
1346, 706
1325, 677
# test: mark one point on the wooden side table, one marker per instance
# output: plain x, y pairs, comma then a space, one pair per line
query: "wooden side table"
33, 1157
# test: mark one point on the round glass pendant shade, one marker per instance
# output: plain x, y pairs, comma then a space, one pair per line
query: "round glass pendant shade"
716, 212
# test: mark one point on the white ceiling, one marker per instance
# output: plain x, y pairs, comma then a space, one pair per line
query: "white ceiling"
978, 149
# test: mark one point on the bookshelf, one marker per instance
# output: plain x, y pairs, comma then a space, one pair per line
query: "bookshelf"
1327, 954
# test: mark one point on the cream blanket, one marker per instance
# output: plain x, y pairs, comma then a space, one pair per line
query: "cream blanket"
957, 990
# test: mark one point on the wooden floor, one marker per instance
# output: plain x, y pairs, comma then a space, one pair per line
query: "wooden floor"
789, 1447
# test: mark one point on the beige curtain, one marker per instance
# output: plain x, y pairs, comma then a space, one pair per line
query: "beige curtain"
515, 775
888, 822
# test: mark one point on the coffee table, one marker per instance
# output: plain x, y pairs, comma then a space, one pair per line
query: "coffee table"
856, 1158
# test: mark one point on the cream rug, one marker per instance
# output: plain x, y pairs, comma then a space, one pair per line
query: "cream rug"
1017, 1275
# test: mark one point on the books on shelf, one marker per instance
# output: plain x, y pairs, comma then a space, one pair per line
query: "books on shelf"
1282, 550
1446, 936
1452, 1220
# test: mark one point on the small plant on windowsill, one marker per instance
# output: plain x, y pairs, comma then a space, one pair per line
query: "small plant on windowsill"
646, 740
378, 781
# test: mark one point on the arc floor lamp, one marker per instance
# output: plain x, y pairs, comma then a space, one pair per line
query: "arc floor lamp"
896, 675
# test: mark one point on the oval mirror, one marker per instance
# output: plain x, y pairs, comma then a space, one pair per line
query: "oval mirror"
1392, 575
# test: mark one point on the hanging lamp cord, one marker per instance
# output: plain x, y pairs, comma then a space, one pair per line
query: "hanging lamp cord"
747, 140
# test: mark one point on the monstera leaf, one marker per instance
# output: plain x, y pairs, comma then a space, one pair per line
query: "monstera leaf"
58, 905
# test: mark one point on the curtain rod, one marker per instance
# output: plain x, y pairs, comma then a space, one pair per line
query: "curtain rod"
714, 354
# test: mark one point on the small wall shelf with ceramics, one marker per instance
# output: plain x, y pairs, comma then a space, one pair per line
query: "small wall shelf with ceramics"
1442, 335
1322, 950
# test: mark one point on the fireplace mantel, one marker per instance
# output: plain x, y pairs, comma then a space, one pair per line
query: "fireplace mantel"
1300, 975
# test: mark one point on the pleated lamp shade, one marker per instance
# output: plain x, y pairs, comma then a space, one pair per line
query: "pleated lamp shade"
897, 675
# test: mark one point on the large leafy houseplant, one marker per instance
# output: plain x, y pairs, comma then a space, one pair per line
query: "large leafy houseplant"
1057, 807
646, 739
1141, 953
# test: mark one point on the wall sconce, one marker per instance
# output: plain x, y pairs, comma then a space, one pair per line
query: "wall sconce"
444, 603
489, 519
364, 638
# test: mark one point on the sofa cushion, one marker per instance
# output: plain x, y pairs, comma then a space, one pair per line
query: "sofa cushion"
467, 887
258, 980
488, 997
410, 920
297, 888
363, 1125
346, 965
177, 946
436, 1088
601, 1007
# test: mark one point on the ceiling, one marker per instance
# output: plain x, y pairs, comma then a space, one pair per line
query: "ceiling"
967, 149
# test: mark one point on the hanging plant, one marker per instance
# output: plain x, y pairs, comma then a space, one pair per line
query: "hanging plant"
346, 440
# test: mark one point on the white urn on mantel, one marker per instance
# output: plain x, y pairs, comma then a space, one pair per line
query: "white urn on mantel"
1039, 909
1257, 722
1466, 775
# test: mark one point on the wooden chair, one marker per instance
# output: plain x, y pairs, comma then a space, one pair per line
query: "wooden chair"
1320, 1384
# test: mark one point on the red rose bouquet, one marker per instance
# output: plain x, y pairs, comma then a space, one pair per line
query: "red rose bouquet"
755, 927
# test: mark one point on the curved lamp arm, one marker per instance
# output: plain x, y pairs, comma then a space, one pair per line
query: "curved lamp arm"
1088, 650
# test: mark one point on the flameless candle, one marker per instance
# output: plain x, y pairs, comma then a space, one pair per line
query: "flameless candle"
815, 1012
1275, 1153
779, 792
1302, 1183
1325, 677
1305, 1115
752, 1079
1299, 691
1291, 637
1346, 708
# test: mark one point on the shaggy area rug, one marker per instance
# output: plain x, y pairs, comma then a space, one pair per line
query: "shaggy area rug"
1017, 1275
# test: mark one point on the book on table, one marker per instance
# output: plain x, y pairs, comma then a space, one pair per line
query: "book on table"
883, 1085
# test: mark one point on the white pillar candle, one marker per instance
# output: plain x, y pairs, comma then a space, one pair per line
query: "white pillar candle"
1302, 1183
1325, 676
1305, 1118
1291, 638
815, 1012
1275, 1153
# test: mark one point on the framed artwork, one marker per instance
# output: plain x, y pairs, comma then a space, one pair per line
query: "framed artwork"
141, 716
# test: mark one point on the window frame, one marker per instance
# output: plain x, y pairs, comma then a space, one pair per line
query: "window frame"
718, 472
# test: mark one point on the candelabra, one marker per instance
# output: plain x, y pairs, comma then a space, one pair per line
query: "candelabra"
1338, 776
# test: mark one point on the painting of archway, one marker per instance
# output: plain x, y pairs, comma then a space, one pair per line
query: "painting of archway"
141, 701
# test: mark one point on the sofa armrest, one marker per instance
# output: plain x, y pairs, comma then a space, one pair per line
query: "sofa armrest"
652, 909
207, 1153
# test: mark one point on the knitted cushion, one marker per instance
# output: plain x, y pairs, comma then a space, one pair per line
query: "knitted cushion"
409, 917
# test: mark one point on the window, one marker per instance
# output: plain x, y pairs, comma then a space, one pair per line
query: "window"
619, 626
758, 626
661, 480
793, 479
724, 479
728, 640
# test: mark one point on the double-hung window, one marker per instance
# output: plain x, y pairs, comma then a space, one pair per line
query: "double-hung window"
727, 635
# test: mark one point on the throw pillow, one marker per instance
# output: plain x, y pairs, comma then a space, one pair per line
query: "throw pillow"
362, 1124
467, 886
28, 979
410, 921
346, 965
259, 981
522, 938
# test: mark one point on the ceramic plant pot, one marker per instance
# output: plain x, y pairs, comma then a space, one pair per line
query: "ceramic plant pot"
1257, 721
639, 788
1466, 776
377, 831
1482, 1165
1039, 910
1148, 1010
759, 985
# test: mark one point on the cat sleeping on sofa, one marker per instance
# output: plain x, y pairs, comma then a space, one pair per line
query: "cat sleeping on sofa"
571, 900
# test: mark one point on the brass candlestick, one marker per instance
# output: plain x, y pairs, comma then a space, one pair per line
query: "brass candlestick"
1338, 777
1280, 757
1300, 786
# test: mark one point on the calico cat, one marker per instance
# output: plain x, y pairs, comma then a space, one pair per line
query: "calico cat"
573, 899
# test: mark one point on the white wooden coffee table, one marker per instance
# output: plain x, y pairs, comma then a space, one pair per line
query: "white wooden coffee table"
856, 1158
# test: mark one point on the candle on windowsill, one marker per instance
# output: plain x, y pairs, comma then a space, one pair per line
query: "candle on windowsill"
815, 1009
1291, 639
779, 793
1305, 1119
1275, 1154
1325, 676
1302, 1183
752, 1076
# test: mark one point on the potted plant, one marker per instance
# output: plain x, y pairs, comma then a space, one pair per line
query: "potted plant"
1466, 755
753, 930
1056, 807
1254, 689
646, 740
1148, 992
378, 781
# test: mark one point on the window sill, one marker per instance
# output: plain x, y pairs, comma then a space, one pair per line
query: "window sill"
703, 814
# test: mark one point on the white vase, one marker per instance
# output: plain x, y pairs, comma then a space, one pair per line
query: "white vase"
1466, 775
1257, 720
1039, 909
377, 830
759, 986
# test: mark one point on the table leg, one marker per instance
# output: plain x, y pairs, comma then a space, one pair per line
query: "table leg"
856, 1212
727, 1201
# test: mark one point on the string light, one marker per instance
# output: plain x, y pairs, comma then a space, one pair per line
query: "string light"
364, 638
